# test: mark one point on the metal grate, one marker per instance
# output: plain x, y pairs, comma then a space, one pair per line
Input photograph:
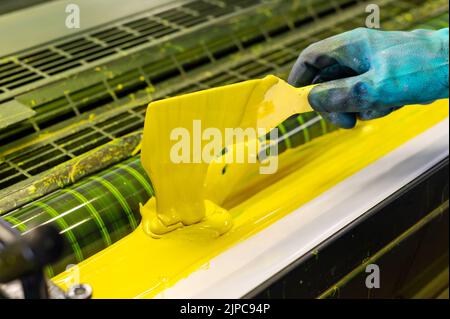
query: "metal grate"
70, 54
84, 100
269, 59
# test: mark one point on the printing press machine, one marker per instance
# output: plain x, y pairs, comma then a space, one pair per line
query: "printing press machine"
72, 109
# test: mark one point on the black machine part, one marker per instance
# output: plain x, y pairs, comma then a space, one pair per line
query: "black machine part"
23, 258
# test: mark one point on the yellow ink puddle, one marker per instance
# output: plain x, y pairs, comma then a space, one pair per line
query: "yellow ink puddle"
139, 266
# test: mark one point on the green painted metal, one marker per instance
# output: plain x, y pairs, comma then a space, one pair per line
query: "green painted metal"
68, 173
13, 112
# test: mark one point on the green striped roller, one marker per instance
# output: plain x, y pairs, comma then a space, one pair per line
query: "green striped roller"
92, 214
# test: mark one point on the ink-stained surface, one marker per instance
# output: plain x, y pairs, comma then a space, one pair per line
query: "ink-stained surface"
143, 266
69, 173
110, 200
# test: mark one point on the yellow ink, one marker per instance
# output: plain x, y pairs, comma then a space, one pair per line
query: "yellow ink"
139, 266
137, 149
192, 191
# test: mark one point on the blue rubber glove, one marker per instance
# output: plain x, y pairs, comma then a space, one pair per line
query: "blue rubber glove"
368, 74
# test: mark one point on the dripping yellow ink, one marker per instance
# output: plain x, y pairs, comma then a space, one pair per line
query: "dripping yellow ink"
139, 266
186, 193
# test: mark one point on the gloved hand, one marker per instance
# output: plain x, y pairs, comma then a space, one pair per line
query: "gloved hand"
368, 73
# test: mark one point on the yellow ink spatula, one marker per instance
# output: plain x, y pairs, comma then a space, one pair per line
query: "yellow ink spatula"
176, 139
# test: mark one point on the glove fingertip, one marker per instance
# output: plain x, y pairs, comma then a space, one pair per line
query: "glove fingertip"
302, 74
374, 114
342, 120
318, 98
